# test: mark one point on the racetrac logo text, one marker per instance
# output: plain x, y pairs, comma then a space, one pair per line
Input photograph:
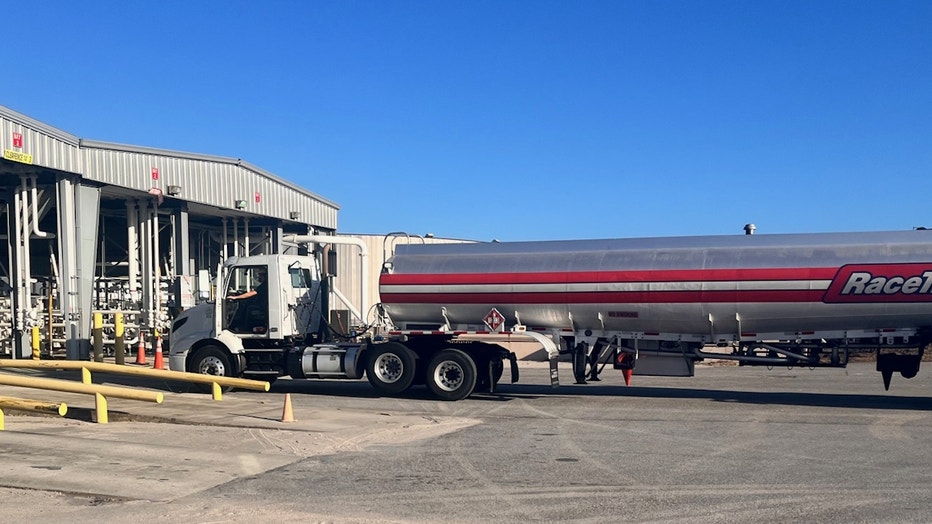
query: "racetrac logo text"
871, 283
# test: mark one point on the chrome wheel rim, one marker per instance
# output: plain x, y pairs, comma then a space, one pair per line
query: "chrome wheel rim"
449, 376
212, 366
389, 368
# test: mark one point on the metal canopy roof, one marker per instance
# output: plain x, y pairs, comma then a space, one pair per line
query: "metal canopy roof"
230, 185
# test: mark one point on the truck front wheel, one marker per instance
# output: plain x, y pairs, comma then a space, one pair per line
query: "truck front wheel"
211, 360
390, 368
451, 375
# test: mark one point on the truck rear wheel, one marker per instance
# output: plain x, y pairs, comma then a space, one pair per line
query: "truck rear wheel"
391, 368
451, 375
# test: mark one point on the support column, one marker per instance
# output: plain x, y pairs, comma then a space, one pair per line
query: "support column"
247, 249
275, 240
132, 250
14, 241
183, 289
20, 270
78, 212
223, 248
156, 277
145, 266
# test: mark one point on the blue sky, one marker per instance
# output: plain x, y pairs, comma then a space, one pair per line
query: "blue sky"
515, 120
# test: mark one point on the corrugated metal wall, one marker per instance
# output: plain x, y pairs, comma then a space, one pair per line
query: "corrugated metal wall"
204, 179
210, 180
48, 146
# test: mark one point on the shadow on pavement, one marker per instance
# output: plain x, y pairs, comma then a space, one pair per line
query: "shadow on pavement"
837, 400
507, 392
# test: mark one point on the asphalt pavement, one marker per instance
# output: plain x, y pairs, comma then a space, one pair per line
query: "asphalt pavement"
729, 445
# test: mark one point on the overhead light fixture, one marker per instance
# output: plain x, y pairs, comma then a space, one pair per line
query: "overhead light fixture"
294, 215
240, 204
157, 193
174, 190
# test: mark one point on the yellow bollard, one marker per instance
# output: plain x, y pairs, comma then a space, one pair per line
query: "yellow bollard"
98, 337
119, 346
100, 409
36, 354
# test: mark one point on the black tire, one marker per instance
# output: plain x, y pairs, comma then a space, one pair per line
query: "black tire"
390, 368
483, 385
211, 360
451, 375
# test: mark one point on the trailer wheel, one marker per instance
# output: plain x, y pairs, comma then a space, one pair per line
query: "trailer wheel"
451, 375
391, 368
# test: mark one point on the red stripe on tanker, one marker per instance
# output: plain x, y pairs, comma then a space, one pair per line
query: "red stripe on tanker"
680, 286
635, 297
679, 275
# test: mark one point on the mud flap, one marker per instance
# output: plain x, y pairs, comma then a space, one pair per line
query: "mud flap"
514, 367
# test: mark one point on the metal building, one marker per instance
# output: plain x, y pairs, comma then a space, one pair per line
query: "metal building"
89, 226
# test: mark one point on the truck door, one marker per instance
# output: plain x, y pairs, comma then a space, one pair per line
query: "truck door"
302, 289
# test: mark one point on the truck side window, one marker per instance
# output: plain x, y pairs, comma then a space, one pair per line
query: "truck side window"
300, 277
245, 278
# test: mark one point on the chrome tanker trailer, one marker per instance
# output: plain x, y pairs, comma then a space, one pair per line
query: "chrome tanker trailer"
653, 305
650, 306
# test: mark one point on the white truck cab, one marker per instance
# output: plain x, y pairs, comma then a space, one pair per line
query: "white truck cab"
261, 303
269, 318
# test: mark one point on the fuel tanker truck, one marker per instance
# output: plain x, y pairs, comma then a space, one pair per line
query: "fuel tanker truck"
642, 306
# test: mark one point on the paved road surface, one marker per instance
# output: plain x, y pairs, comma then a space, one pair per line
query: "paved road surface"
730, 445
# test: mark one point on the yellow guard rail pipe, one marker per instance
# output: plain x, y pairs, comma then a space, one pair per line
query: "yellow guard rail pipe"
102, 367
100, 392
23, 404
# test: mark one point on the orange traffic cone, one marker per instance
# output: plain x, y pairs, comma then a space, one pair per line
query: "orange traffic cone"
141, 350
626, 369
159, 361
287, 412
